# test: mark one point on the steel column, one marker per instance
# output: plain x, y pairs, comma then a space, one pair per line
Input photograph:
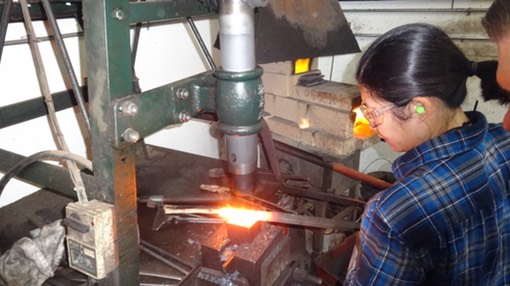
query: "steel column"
107, 28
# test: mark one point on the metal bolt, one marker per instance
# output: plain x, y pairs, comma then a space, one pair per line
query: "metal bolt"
118, 14
128, 108
182, 93
131, 135
184, 117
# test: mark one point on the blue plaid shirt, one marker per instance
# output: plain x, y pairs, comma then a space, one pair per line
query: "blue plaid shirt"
446, 221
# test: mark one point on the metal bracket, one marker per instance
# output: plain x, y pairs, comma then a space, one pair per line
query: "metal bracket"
140, 115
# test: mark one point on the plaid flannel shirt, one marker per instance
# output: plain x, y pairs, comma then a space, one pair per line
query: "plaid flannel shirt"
446, 221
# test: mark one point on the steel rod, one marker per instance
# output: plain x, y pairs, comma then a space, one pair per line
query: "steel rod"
74, 172
4, 21
198, 37
337, 167
349, 172
134, 52
67, 62
275, 217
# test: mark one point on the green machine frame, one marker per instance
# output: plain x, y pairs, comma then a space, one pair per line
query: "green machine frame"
113, 124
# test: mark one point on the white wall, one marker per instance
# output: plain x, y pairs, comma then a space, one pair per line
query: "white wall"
167, 53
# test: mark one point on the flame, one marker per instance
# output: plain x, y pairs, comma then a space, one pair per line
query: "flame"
243, 217
301, 65
362, 129
304, 123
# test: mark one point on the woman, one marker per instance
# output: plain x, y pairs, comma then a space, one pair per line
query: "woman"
446, 221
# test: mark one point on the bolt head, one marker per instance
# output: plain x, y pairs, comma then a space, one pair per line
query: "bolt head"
118, 14
131, 135
129, 108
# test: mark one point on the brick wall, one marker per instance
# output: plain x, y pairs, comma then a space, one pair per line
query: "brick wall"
327, 107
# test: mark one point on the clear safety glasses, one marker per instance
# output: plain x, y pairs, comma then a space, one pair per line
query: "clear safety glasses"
375, 115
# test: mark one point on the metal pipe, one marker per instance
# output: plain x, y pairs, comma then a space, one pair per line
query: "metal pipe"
337, 167
239, 101
4, 21
67, 62
371, 180
207, 55
242, 159
237, 36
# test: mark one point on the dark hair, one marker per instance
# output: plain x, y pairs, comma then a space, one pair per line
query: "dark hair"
418, 60
497, 19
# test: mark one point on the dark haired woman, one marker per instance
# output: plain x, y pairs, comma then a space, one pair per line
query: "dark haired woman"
446, 221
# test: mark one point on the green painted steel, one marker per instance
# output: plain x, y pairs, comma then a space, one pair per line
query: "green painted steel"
33, 108
157, 108
239, 101
167, 10
45, 175
107, 25
107, 43
69, 9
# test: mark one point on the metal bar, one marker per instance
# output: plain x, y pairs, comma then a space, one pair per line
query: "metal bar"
33, 108
45, 91
321, 196
67, 62
67, 9
337, 167
136, 40
166, 10
42, 39
276, 217
203, 47
6, 12
355, 174
108, 54
269, 149
45, 175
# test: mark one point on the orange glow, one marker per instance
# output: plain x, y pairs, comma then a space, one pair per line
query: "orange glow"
362, 129
301, 65
243, 217
304, 123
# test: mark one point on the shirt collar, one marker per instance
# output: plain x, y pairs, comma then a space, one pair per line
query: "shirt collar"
449, 144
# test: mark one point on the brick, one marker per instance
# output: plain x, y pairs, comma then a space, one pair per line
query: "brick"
336, 122
333, 145
286, 108
333, 94
284, 68
283, 127
290, 109
277, 84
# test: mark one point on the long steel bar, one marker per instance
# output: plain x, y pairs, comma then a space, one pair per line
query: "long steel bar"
67, 62
33, 108
108, 53
134, 52
203, 47
74, 172
337, 167
46, 175
6, 12
275, 217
